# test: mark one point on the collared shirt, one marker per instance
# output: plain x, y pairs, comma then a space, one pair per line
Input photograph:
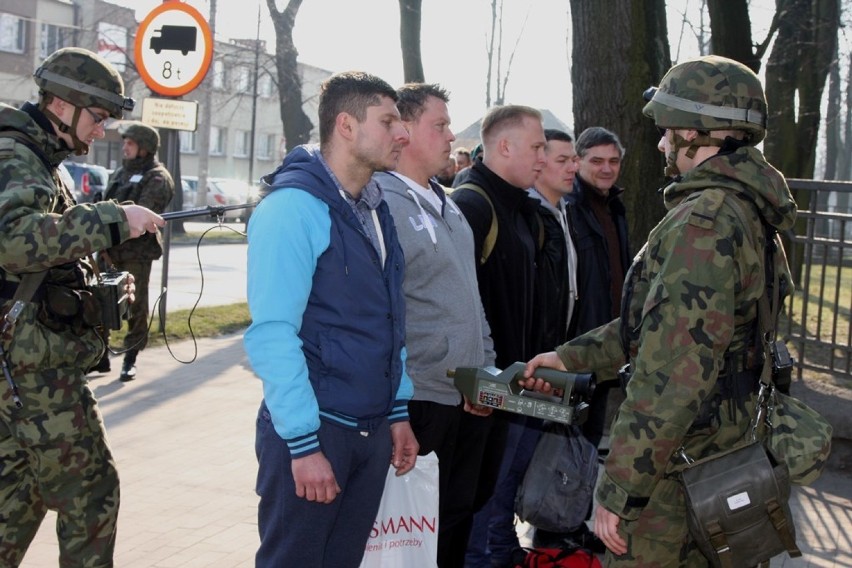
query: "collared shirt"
364, 208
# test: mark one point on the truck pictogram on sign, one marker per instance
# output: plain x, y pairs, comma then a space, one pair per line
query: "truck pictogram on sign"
174, 38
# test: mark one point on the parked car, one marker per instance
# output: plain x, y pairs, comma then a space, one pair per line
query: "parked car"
90, 181
220, 191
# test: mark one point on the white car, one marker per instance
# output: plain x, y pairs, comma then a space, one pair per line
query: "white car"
220, 191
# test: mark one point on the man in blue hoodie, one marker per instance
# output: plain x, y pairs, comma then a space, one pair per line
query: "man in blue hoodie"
325, 274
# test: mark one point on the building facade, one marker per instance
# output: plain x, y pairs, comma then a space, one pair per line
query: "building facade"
32, 29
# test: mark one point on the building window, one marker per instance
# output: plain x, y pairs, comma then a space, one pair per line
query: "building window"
187, 142
242, 143
217, 140
264, 85
52, 38
242, 80
266, 144
12, 33
218, 74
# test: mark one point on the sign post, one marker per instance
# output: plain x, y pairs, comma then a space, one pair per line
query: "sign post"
173, 51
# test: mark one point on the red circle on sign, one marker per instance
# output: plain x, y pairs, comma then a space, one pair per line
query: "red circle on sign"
139, 50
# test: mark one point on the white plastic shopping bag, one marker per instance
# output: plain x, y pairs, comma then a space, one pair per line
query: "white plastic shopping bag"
405, 533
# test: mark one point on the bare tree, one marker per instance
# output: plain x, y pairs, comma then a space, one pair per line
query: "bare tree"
297, 125
608, 85
730, 31
845, 165
795, 78
833, 121
409, 37
494, 50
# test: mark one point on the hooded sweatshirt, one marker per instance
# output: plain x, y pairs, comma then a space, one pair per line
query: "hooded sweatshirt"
328, 315
445, 322
690, 301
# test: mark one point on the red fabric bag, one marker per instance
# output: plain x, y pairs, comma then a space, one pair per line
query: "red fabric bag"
559, 558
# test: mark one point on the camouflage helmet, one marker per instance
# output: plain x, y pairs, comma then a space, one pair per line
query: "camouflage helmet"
84, 79
710, 93
145, 137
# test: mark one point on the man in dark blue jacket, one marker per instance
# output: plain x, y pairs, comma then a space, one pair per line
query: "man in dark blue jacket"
600, 234
327, 337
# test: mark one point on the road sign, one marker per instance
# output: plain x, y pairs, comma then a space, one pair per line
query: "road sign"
169, 113
173, 48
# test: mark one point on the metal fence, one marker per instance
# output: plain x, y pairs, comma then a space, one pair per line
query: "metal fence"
817, 318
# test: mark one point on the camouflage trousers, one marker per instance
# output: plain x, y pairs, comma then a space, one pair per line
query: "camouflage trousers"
54, 456
137, 326
659, 538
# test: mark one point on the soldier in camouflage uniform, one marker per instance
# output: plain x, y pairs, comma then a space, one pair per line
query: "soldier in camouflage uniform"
689, 319
53, 451
143, 180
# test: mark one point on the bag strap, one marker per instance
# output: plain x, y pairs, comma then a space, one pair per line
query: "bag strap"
782, 527
767, 317
720, 544
25, 140
491, 237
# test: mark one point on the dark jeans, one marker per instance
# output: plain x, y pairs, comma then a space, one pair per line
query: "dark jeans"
458, 439
300, 533
494, 536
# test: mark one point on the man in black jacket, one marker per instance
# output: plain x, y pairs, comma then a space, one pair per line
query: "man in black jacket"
494, 200
554, 300
600, 234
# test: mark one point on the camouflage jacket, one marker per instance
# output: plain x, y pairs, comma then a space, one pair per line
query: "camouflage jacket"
42, 229
690, 301
148, 183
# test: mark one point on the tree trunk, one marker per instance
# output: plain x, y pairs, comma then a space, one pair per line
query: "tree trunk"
297, 125
489, 50
796, 71
730, 31
845, 165
832, 121
409, 37
797, 68
608, 85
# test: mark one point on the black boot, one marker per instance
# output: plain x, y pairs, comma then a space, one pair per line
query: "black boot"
128, 368
102, 366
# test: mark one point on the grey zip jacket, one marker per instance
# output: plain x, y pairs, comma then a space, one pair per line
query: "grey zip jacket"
445, 323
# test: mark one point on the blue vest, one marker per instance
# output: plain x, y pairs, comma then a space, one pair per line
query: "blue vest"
353, 327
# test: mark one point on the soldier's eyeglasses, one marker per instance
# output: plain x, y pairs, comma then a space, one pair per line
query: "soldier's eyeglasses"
662, 131
97, 119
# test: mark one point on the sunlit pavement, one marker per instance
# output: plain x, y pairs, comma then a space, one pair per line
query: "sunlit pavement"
183, 437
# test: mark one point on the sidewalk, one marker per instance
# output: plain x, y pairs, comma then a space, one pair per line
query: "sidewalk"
183, 437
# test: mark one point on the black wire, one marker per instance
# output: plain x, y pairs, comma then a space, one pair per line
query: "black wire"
220, 225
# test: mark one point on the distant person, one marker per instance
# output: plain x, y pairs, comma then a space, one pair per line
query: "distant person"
462, 158
54, 453
443, 331
327, 337
445, 176
462, 173
599, 221
143, 180
495, 195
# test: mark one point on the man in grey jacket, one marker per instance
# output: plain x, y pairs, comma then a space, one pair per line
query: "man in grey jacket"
445, 322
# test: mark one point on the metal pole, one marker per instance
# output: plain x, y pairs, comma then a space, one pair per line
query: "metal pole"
172, 160
254, 99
